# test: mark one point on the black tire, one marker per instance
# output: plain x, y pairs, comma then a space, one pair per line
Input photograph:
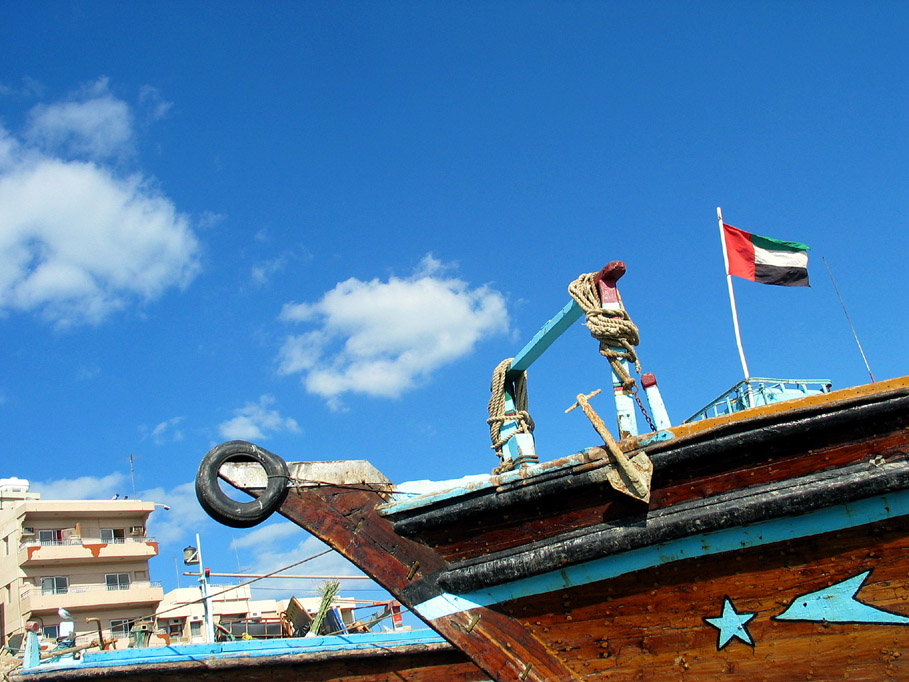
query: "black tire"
231, 512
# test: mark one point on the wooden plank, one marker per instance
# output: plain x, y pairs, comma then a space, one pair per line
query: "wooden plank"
651, 625
547, 335
345, 518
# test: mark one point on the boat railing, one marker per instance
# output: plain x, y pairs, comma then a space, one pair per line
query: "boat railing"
757, 391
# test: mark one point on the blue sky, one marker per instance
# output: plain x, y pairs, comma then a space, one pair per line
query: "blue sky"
320, 226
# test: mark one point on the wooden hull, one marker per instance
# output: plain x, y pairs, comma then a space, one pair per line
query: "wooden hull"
775, 546
384, 658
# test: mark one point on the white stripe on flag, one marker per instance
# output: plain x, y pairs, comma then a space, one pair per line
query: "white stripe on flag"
783, 259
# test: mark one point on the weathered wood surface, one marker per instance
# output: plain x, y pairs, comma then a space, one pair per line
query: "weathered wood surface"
427, 663
650, 625
345, 518
767, 453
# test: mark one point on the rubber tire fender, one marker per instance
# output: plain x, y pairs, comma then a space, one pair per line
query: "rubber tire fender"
231, 512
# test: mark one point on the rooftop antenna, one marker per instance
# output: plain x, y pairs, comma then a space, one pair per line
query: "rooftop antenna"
132, 475
848, 319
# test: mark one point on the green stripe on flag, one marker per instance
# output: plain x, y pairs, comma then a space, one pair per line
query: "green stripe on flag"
777, 244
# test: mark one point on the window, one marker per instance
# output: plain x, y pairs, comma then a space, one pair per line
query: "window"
49, 537
113, 535
175, 629
51, 631
55, 585
117, 581
195, 628
120, 627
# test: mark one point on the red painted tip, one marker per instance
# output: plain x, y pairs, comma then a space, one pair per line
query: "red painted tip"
648, 380
612, 272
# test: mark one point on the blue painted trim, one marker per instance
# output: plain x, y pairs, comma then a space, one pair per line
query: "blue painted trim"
244, 649
730, 539
544, 338
658, 437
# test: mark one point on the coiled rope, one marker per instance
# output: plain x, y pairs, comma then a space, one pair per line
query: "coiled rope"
497, 416
612, 328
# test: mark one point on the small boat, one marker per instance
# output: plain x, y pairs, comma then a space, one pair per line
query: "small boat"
765, 539
421, 656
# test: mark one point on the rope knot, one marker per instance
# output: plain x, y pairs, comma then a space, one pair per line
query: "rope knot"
498, 416
612, 328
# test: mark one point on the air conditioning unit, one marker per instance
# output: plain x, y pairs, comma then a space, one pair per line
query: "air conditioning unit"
255, 614
137, 530
28, 531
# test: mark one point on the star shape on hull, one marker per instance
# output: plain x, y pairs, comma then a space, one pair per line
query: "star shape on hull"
731, 624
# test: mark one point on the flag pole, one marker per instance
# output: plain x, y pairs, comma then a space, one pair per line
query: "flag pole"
735, 315
848, 319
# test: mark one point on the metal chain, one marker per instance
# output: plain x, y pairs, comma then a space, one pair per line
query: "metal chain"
637, 399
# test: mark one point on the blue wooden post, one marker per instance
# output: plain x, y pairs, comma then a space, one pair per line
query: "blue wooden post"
609, 300
32, 654
655, 400
521, 447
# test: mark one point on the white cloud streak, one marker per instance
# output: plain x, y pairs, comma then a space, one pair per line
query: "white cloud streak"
79, 240
268, 550
185, 516
256, 421
82, 488
167, 432
378, 338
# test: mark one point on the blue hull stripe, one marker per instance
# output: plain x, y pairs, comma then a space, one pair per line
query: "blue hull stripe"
730, 539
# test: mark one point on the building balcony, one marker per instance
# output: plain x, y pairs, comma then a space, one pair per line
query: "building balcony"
85, 550
91, 597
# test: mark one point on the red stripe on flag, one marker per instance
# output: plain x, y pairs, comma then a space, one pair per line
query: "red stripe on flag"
740, 251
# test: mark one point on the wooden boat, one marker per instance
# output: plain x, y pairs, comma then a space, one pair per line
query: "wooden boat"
367, 657
768, 542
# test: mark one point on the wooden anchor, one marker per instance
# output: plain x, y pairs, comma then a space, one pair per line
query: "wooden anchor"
631, 475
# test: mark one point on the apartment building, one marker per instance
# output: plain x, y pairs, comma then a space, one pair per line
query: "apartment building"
89, 557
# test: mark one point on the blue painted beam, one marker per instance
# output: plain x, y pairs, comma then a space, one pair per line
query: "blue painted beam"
546, 336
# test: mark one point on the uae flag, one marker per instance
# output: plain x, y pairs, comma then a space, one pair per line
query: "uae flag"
766, 260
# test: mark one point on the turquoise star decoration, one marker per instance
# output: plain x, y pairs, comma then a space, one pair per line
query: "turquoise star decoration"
731, 624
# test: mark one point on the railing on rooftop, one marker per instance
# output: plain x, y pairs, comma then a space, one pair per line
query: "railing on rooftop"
755, 392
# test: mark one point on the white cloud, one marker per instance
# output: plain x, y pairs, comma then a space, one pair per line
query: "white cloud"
78, 240
255, 421
209, 219
267, 551
87, 372
94, 124
155, 106
379, 338
82, 488
267, 535
263, 271
184, 518
167, 432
